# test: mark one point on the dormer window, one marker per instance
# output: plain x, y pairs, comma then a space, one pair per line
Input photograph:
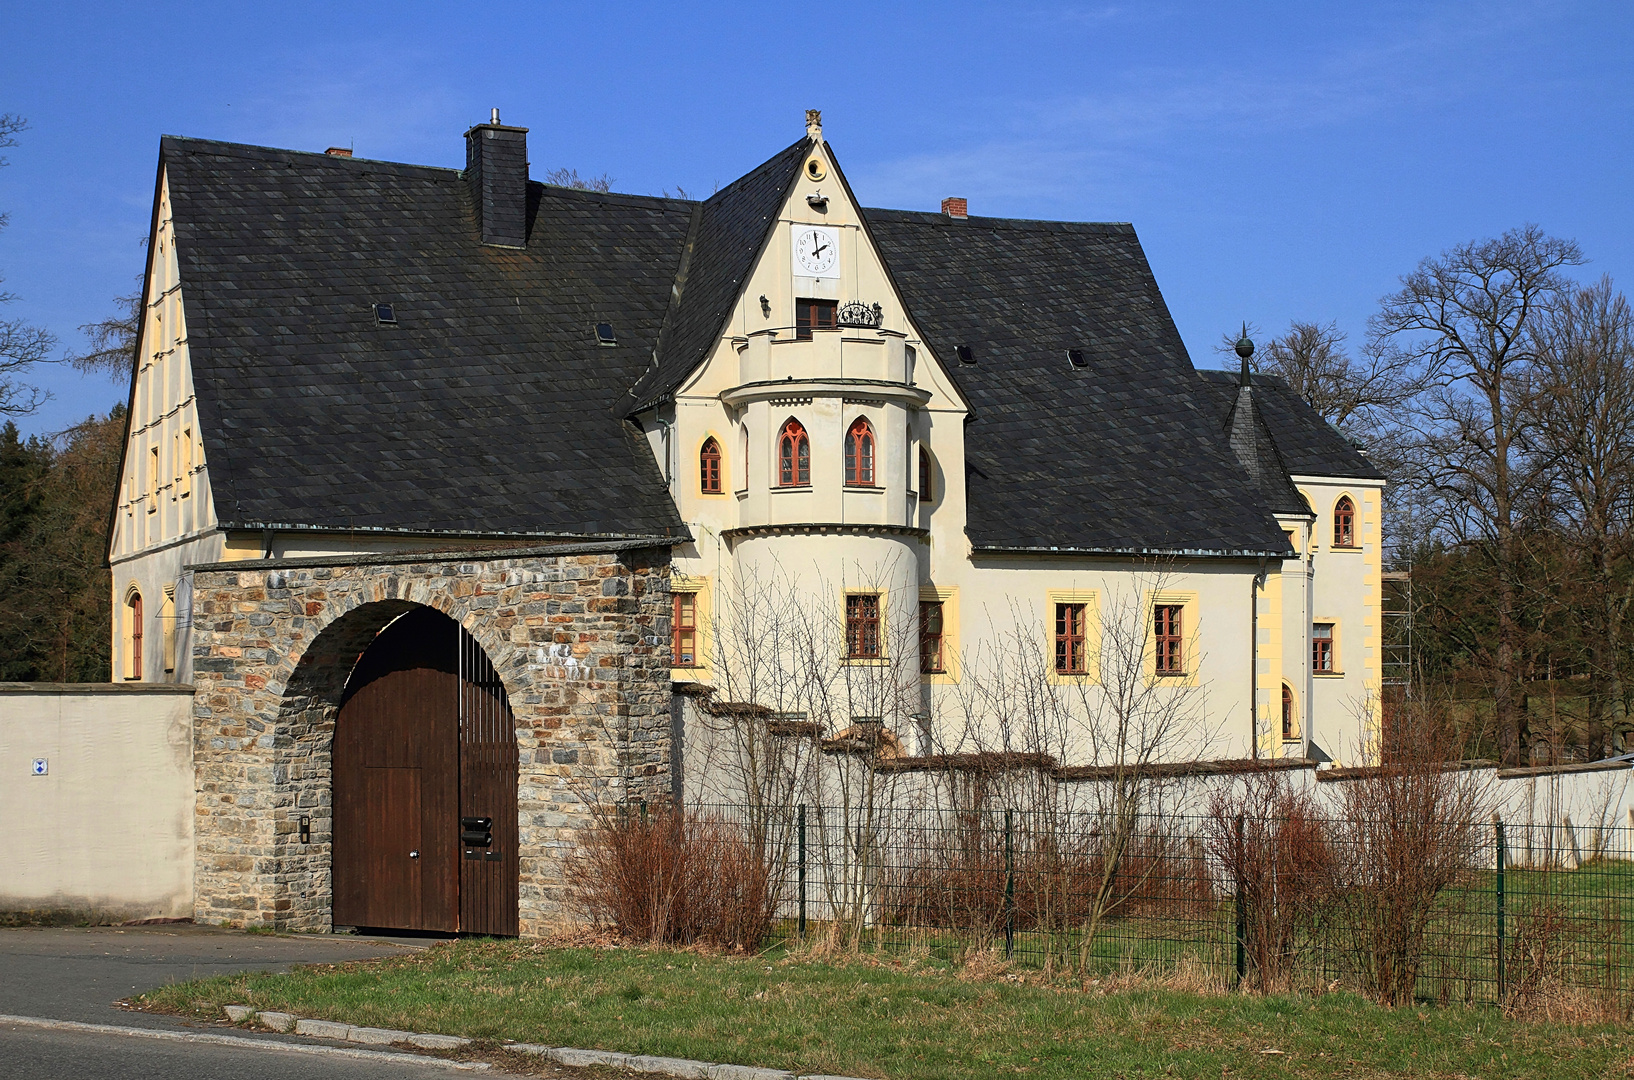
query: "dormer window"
709, 467
859, 454
812, 315
1344, 523
793, 456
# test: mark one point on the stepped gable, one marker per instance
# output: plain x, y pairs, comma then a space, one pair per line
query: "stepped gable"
1116, 456
486, 408
1306, 444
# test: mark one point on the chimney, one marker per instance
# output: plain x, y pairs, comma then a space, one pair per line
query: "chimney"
496, 168
339, 151
955, 207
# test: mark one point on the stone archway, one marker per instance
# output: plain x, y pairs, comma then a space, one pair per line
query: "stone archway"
578, 635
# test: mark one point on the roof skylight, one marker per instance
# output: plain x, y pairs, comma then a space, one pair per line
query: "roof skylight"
1077, 358
605, 335
967, 355
385, 315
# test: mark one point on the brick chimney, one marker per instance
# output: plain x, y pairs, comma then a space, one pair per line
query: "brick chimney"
955, 206
496, 168
339, 151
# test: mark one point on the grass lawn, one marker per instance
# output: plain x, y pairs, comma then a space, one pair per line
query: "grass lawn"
902, 1020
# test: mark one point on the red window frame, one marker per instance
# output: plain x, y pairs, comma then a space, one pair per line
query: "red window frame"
684, 630
924, 475
931, 630
1344, 523
1167, 636
1289, 731
135, 637
793, 456
859, 454
811, 314
709, 467
1322, 647
862, 626
1071, 653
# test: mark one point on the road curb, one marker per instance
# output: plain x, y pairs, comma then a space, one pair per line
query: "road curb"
212, 1039
681, 1068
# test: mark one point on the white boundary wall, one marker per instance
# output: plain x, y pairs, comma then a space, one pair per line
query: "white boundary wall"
107, 831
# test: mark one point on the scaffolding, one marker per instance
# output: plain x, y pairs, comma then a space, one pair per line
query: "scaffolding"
1396, 632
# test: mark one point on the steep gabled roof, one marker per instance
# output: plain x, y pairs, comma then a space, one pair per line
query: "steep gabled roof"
731, 230
486, 409
1306, 444
1118, 456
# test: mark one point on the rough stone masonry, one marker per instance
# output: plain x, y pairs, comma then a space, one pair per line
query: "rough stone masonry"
579, 634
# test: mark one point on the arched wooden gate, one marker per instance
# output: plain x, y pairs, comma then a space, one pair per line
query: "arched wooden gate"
425, 773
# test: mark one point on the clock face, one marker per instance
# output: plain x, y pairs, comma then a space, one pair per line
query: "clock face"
816, 251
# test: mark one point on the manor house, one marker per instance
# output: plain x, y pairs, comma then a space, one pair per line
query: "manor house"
448, 490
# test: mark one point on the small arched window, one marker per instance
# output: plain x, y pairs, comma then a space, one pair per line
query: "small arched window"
709, 467
859, 454
925, 494
1344, 523
133, 624
793, 456
1290, 725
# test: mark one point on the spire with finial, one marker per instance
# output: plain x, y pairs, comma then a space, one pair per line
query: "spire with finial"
1245, 350
814, 124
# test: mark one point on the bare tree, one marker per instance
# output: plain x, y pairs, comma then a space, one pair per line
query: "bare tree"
1582, 400
21, 345
570, 178
112, 340
1345, 391
1463, 321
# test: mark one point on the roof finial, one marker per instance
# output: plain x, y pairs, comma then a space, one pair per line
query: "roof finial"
494, 116
1244, 349
814, 124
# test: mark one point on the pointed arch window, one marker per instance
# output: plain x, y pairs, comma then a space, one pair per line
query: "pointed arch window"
133, 634
709, 467
793, 456
1344, 523
925, 495
859, 454
1290, 723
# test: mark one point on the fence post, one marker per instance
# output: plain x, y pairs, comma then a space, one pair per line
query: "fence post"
801, 866
1503, 988
1009, 884
1241, 910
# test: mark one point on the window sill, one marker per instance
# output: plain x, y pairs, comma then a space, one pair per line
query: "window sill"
1328, 674
1343, 547
1172, 674
866, 661
864, 487
779, 488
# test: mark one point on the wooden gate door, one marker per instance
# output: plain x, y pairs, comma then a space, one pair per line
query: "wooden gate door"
488, 774
424, 751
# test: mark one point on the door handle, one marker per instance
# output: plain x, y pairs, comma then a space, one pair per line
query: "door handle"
414, 854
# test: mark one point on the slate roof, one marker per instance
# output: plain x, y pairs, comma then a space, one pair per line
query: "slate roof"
1307, 444
491, 409
486, 409
730, 229
1120, 455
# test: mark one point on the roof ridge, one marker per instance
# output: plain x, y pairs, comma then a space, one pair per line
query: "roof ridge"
930, 216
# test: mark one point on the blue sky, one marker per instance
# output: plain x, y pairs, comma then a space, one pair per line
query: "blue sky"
1279, 161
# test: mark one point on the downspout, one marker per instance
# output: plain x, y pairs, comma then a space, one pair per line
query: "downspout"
1310, 668
1254, 587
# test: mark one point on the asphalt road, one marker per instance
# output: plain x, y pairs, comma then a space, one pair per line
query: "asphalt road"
79, 974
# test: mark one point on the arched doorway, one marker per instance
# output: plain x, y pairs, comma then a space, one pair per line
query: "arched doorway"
424, 775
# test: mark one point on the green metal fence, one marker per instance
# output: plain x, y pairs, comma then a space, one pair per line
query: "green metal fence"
1516, 913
